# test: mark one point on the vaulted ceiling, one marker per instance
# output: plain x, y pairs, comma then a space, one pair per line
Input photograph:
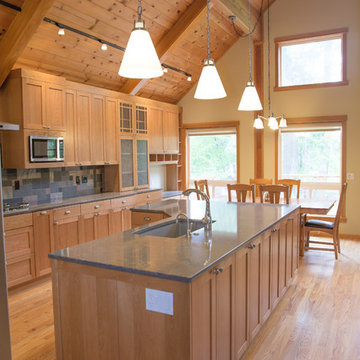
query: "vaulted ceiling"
177, 27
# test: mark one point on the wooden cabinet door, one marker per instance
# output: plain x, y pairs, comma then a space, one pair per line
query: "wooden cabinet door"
54, 118
126, 121
126, 220
111, 132
255, 254
87, 228
70, 124
33, 105
66, 232
171, 132
156, 137
141, 122
19, 245
241, 331
295, 244
289, 249
265, 309
116, 221
142, 163
97, 120
282, 257
102, 224
274, 284
83, 128
43, 241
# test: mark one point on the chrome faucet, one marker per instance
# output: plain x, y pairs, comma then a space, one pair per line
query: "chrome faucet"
188, 228
207, 220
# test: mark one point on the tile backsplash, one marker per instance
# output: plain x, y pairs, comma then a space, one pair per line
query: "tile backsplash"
36, 186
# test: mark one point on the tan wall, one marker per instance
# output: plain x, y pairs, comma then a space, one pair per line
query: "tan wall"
289, 17
233, 70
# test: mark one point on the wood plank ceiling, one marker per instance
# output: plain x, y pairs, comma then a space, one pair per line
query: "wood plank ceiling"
80, 59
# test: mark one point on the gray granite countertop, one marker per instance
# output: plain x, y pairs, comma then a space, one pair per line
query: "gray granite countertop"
179, 258
168, 194
78, 200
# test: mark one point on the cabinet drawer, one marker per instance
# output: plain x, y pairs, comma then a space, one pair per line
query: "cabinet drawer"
142, 218
66, 212
95, 207
17, 221
127, 201
20, 270
19, 242
148, 197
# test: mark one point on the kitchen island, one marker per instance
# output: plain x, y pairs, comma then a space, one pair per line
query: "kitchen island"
133, 296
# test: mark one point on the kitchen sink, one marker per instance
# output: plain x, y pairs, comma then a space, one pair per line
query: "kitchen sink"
171, 229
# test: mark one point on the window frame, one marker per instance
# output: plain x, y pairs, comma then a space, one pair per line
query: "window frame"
319, 120
307, 38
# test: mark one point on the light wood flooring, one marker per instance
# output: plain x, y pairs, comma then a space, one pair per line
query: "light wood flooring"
318, 318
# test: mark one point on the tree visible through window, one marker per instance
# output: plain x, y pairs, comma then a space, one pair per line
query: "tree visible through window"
315, 158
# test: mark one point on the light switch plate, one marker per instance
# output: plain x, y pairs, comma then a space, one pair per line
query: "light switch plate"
350, 176
159, 301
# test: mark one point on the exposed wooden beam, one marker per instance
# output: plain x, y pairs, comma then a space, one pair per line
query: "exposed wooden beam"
240, 8
20, 32
181, 28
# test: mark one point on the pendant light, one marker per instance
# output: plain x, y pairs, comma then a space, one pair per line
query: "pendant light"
209, 85
140, 60
250, 100
272, 119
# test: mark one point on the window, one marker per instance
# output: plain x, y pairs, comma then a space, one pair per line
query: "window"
312, 154
308, 60
212, 156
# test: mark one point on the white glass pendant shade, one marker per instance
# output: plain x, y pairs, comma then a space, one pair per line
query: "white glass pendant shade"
273, 124
250, 99
209, 85
258, 123
283, 122
140, 60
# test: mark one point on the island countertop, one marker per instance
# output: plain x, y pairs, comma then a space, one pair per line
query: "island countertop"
179, 259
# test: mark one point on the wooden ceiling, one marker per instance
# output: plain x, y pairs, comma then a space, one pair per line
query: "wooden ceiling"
177, 27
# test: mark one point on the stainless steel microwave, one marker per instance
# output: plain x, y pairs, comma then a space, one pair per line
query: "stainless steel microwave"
46, 149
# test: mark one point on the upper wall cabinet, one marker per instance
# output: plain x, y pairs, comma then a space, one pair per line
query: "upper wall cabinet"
36, 104
163, 130
133, 118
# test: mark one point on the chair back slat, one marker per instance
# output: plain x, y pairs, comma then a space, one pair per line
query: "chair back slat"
257, 182
242, 191
291, 183
203, 186
274, 192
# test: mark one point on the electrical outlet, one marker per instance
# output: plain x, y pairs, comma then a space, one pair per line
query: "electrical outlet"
84, 179
78, 180
350, 176
17, 184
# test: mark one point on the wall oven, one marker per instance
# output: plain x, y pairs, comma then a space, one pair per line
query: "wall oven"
46, 149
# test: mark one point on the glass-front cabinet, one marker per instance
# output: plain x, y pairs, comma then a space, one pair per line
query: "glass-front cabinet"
142, 162
127, 163
126, 118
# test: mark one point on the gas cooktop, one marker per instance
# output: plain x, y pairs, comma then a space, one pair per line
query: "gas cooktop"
15, 207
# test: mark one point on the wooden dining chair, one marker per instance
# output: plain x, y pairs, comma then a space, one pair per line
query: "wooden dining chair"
242, 191
257, 182
203, 186
291, 183
274, 192
329, 227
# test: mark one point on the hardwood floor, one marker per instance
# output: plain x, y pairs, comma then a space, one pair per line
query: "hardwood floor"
319, 317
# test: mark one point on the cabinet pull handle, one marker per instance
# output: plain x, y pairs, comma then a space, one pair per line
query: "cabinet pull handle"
217, 271
96, 206
148, 196
251, 246
43, 212
56, 223
124, 201
274, 230
107, 162
147, 218
96, 214
290, 219
67, 212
